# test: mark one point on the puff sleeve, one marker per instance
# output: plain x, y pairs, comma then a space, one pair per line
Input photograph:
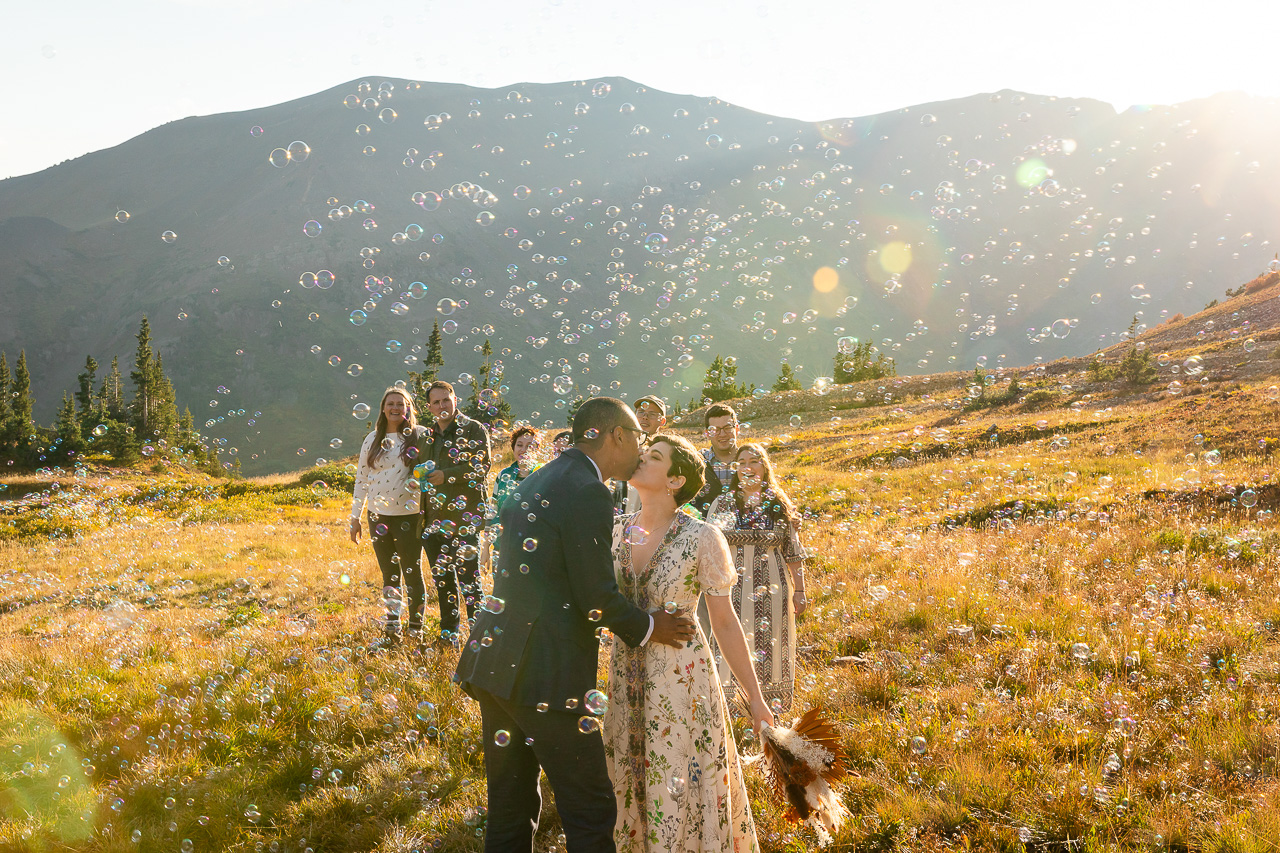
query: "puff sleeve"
716, 572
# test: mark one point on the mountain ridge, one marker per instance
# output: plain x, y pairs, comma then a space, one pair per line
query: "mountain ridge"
746, 208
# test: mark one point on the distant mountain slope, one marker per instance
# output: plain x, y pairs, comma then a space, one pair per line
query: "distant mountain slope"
611, 237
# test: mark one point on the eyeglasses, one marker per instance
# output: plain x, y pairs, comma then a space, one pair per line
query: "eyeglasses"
722, 430
644, 436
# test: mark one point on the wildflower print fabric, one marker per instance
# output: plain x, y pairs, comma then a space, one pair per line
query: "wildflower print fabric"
671, 753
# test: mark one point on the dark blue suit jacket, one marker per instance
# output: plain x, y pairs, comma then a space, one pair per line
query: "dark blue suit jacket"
555, 566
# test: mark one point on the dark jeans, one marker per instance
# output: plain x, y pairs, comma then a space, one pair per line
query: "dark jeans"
575, 766
455, 567
398, 548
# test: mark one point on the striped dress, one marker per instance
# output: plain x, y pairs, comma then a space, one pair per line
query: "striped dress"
762, 597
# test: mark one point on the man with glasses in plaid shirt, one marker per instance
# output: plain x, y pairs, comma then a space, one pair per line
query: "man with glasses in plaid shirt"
721, 424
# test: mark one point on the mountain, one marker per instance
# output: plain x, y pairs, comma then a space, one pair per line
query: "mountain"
606, 236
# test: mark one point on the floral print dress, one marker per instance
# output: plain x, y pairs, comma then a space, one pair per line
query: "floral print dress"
669, 746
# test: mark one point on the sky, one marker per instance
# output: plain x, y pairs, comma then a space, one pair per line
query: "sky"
85, 75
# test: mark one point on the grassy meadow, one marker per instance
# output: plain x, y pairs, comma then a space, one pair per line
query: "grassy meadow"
1047, 621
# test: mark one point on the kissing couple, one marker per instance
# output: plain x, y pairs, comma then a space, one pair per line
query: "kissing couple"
651, 764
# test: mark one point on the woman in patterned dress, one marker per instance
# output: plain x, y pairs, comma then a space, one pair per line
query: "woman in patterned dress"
760, 525
670, 748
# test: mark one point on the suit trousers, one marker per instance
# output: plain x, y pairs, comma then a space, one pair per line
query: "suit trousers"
455, 567
575, 766
397, 544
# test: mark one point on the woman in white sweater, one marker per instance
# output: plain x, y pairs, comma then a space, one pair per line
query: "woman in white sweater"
385, 484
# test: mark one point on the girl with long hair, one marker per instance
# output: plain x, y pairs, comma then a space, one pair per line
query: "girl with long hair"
384, 483
761, 525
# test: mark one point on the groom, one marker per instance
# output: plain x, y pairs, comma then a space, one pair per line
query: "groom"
531, 659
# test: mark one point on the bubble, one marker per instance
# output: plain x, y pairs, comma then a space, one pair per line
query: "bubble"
253, 814
501, 737
1175, 387
491, 603
635, 535
360, 411
325, 279
446, 306
714, 141
358, 317
1248, 498
670, 607
1193, 366
122, 216
485, 218
530, 545
449, 326
100, 430
169, 237
355, 369
426, 712
588, 725
919, 745
676, 785
278, 158
879, 593
594, 615
1138, 291
1060, 328
597, 702
311, 228
1080, 651
794, 421
655, 242
428, 200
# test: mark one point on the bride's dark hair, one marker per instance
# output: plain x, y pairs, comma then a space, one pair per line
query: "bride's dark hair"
685, 462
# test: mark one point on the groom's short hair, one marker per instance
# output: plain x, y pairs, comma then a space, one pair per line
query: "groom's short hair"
600, 414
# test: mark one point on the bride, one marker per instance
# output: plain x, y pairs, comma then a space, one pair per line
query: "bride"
670, 749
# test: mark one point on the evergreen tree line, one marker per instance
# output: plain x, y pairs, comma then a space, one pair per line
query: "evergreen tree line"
97, 420
862, 361
487, 401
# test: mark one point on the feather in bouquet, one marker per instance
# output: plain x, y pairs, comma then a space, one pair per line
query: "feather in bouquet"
801, 763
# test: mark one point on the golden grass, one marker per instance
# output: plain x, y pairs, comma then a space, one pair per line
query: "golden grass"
1066, 638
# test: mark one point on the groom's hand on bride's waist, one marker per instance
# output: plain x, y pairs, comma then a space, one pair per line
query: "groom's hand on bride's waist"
672, 629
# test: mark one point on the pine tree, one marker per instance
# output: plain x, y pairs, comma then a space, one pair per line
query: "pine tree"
6, 407
787, 380
420, 380
143, 376
1136, 367
6, 411
69, 438
84, 396
486, 403
720, 382
857, 364
20, 393
164, 411
111, 395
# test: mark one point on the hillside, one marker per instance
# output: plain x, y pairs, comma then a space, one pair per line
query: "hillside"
1043, 620
607, 235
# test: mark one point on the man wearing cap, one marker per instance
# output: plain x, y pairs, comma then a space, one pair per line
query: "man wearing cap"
651, 412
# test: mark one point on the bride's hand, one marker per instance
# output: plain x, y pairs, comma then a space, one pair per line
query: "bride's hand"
760, 713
